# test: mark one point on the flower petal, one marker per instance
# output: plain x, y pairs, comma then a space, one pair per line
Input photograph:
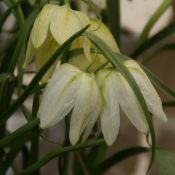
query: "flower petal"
82, 108
96, 108
59, 96
130, 104
41, 25
151, 96
30, 53
44, 53
110, 116
66, 22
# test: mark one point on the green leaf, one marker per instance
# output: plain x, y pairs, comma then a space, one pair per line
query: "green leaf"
166, 47
6, 14
13, 152
113, 10
115, 59
51, 155
119, 156
162, 86
38, 77
20, 131
168, 30
153, 19
19, 50
165, 161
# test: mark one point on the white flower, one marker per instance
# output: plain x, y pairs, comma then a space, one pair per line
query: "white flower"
71, 89
117, 92
53, 26
152, 99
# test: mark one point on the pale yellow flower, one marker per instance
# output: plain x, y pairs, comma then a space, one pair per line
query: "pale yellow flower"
53, 26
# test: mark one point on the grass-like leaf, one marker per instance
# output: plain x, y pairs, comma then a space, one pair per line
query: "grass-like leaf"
115, 59
39, 76
119, 156
58, 152
168, 30
152, 20
157, 82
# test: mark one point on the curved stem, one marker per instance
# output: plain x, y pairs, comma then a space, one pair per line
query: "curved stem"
58, 152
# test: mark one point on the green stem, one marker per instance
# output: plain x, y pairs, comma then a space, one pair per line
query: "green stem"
22, 38
165, 32
6, 14
39, 76
118, 157
33, 155
11, 137
58, 152
82, 164
114, 18
154, 18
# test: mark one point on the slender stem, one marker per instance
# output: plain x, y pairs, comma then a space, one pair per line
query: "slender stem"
38, 77
33, 155
22, 38
58, 152
82, 164
11, 137
114, 18
154, 18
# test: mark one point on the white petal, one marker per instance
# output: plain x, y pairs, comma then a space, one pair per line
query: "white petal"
82, 108
96, 108
41, 25
59, 96
130, 104
66, 22
151, 96
30, 53
110, 116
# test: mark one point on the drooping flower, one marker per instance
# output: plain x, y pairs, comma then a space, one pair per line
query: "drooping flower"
53, 26
116, 92
70, 89
152, 99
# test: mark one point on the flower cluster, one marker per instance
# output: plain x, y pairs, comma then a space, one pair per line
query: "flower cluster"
90, 96
79, 87
53, 26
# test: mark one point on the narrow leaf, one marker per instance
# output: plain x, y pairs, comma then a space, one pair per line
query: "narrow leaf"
168, 30
39, 76
60, 151
163, 87
115, 59
119, 156
153, 19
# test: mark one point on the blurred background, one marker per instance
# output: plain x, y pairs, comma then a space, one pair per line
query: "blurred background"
134, 16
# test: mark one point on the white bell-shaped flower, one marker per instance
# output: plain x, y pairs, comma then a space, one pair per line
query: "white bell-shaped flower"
70, 89
152, 98
117, 92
